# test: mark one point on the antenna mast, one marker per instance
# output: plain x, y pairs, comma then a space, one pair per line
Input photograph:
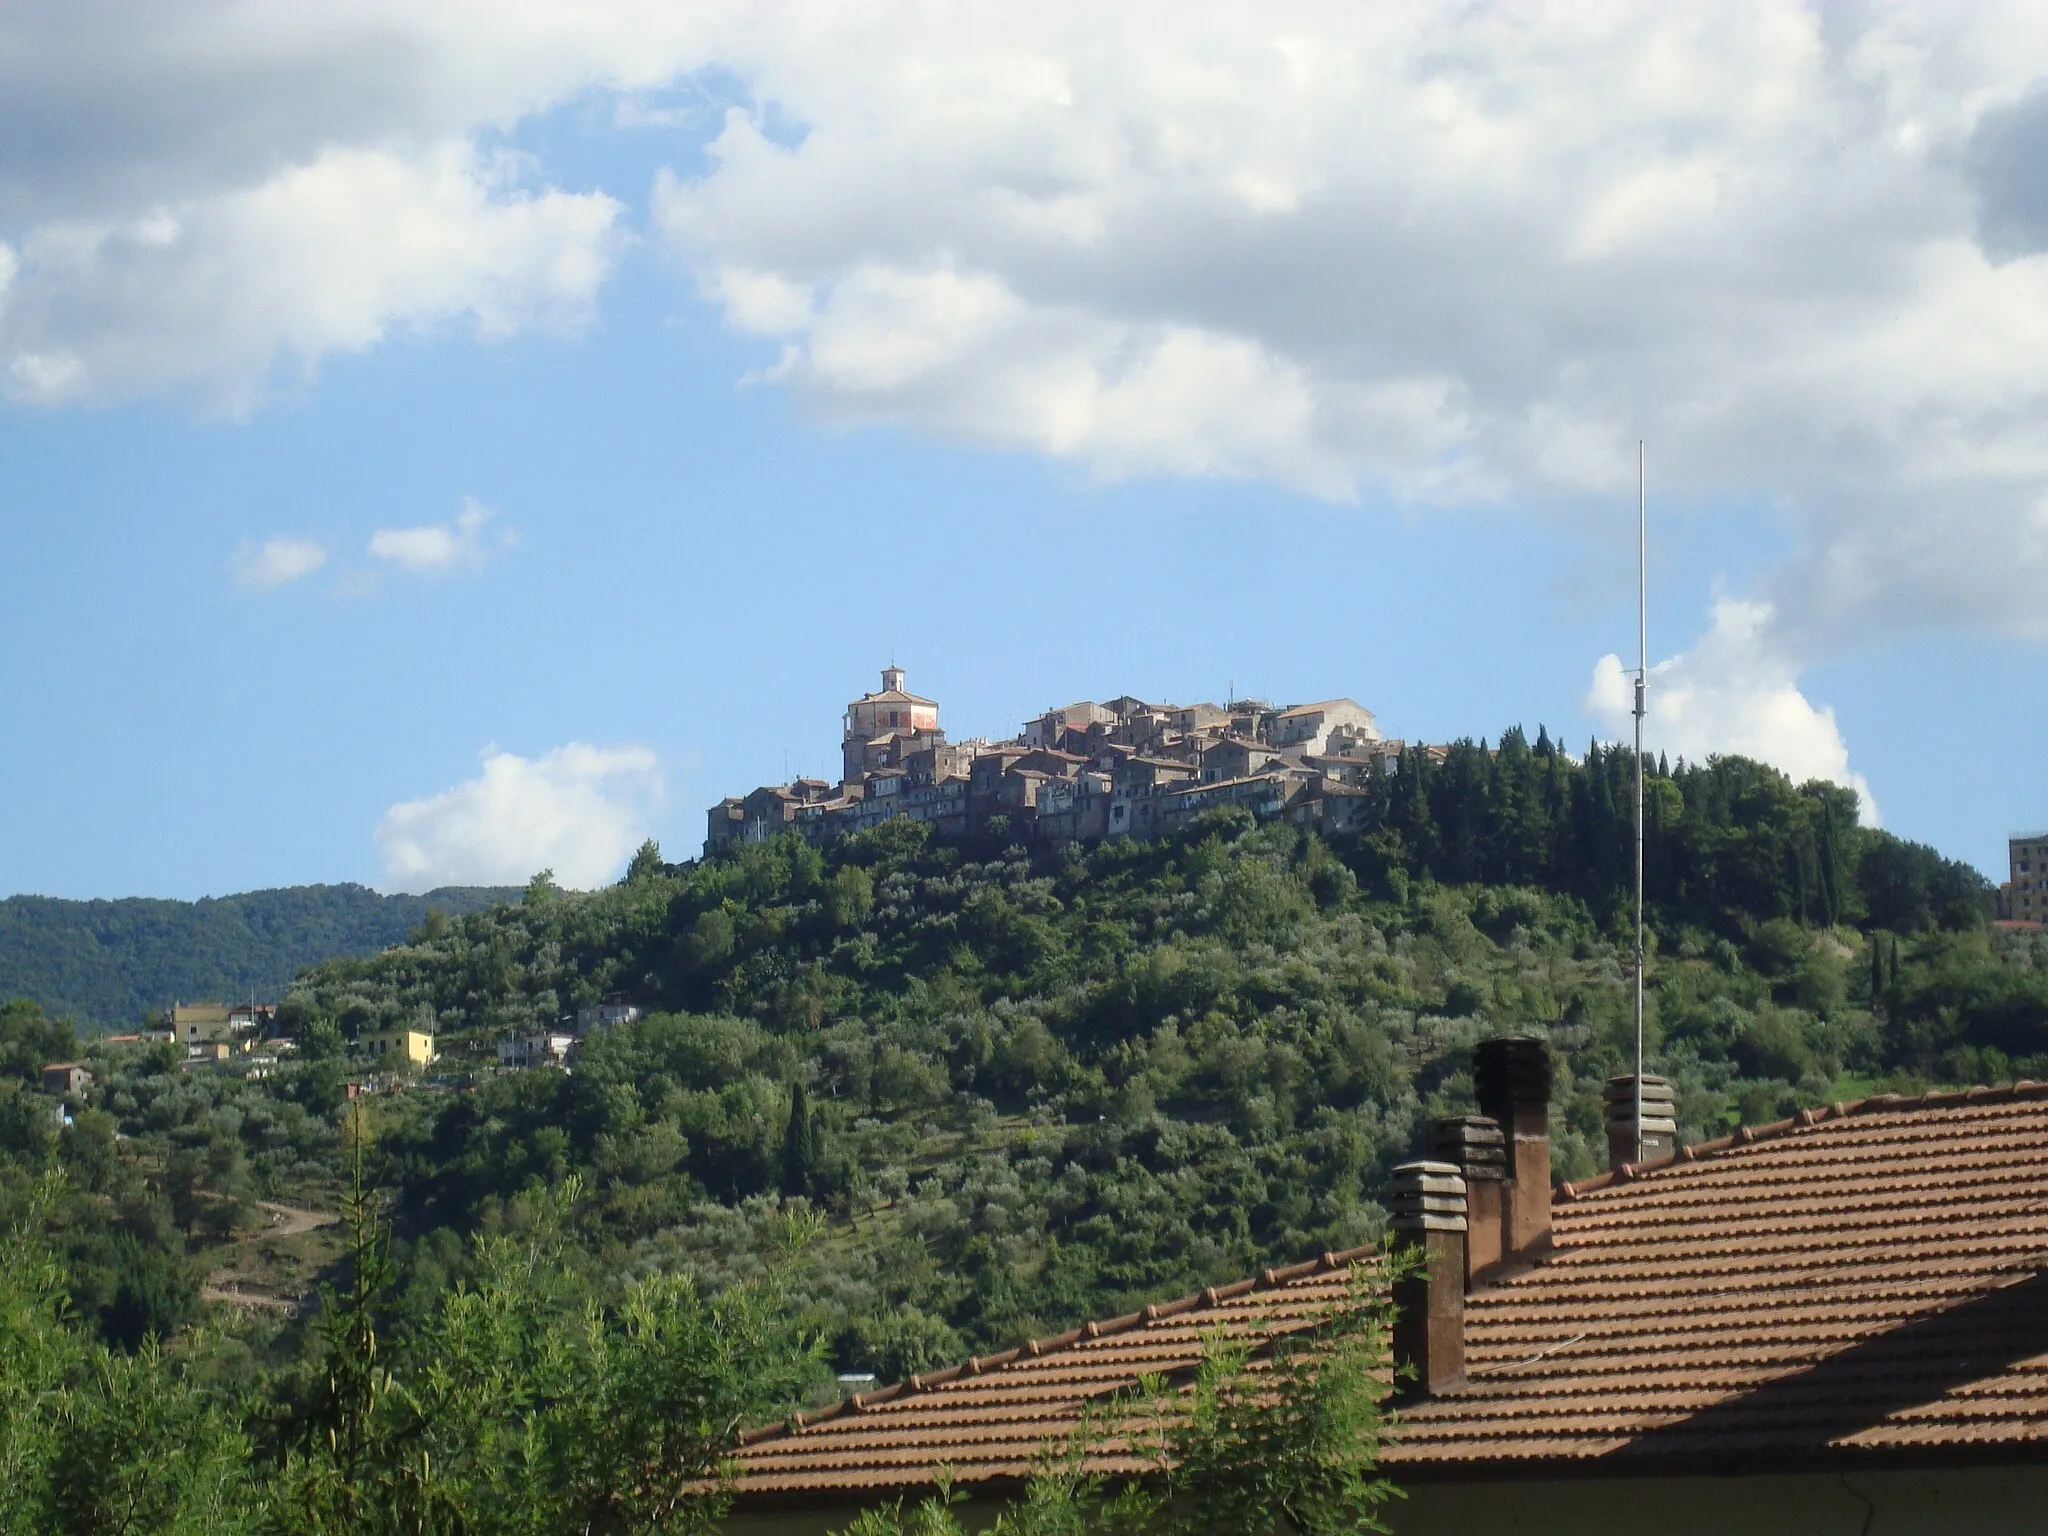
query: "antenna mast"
1642, 679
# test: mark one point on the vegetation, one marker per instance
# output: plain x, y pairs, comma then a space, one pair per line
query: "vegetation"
517, 1404
107, 963
1271, 1437
994, 1092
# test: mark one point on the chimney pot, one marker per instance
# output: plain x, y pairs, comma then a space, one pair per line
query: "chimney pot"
1512, 1076
1660, 1120
1476, 1145
1427, 1205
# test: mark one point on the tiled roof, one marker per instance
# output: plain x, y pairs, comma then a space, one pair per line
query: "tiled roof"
990, 1419
1859, 1283
1864, 1278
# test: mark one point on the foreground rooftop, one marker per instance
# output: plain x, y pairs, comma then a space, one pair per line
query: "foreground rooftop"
1861, 1286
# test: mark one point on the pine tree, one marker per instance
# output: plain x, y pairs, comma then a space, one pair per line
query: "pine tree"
646, 863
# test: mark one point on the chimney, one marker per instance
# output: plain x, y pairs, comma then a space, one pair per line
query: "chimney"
1660, 1120
1475, 1145
1512, 1076
1427, 1203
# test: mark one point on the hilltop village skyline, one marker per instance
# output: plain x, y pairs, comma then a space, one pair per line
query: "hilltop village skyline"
1124, 767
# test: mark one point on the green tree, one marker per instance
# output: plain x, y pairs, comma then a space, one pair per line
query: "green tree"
522, 1404
29, 1038
800, 1148
849, 897
39, 1356
1273, 1437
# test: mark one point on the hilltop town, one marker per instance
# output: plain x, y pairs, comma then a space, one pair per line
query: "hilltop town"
1085, 771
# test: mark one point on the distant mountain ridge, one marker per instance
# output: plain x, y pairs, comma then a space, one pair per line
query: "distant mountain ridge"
105, 963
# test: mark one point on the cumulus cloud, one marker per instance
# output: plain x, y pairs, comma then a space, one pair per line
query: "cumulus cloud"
438, 548
216, 294
204, 202
276, 561
1447, 254
1733, 692
578, 810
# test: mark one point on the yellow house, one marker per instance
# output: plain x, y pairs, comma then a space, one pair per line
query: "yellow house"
411, 1047
202, 1023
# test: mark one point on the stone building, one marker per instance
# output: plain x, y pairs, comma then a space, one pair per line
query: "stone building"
1308, 727
1129, 767
2027, 893
878, 724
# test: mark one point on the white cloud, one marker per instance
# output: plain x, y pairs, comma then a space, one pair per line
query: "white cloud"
219, 293
578, 810
276, 561
1451, 254
1733, 692
438, 548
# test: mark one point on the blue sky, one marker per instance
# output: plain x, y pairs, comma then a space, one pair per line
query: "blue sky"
735, 439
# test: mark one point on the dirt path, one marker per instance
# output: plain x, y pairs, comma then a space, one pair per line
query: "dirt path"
235, 1294
232, 1289
289, 1221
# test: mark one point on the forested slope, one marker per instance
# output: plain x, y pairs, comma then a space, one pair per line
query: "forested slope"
1014, 1089
105, 963
1031, 1088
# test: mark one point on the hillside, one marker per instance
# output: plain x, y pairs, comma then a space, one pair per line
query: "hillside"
1033, 1088
1014, 1090
105, 963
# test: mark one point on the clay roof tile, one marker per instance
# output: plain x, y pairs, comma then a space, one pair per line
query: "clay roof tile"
1858, 1280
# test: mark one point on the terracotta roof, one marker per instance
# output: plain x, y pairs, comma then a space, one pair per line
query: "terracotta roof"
990, 1419
1858, 1279
1857, 1284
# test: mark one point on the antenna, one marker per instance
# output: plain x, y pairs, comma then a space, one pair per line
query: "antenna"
1642, 681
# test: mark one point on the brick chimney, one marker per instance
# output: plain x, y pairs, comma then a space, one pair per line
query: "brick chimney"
1476, 1146
1512, 1076
1660, 1120
1427, 1204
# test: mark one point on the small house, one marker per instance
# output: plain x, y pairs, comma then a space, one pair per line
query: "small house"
202, 1023
604, 1016
67, 1079
523, 1051
399, 1047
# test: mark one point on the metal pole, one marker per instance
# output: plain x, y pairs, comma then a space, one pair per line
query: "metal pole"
1642, 680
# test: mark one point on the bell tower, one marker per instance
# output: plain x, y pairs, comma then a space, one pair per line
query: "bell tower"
876, 723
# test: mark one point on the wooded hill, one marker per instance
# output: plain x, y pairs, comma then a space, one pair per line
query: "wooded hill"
1020, 1089
1034, 1088
106, 963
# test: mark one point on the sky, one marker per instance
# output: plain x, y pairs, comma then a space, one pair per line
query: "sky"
445, 442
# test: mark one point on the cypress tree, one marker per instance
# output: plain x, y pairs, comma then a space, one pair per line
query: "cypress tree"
799, 1145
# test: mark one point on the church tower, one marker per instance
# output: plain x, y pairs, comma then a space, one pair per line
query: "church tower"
879, 725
